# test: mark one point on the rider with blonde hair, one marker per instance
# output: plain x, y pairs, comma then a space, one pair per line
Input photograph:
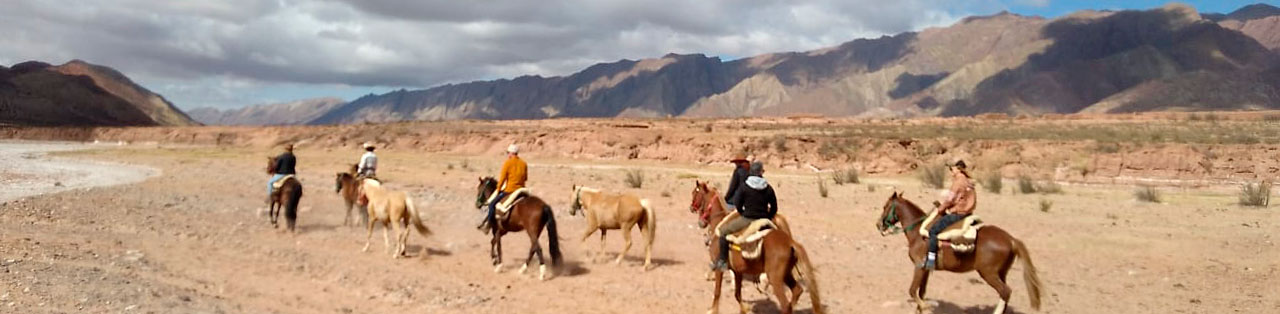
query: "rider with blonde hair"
960, 202
512, 177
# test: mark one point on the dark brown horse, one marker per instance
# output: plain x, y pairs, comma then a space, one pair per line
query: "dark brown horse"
286, 199
993, 255
529, 214
784, 264
346, 185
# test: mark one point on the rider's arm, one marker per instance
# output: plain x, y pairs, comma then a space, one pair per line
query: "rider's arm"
360, 166
773, 203
502, 174
736, 200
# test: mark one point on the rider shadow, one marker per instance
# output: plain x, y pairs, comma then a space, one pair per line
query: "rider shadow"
767, 306
945, 307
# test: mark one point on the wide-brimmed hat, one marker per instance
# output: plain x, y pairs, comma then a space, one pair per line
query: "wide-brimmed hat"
513, 148
367, 145
958, 163
739, 157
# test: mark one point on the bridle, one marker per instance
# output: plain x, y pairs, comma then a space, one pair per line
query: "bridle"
703, 209
889, 224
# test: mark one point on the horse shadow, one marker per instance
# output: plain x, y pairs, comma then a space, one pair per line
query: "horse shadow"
638, 260
430, 251
945, 307
767, 306
572, 269
304, 229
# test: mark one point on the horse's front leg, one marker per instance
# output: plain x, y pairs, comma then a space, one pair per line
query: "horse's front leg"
497, 252
587, 235
916, 291
715, 300
368, 237
346, 220
737, 294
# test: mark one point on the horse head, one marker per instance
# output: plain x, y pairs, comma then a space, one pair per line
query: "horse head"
895, 211
271, 164
339, 179
484, 189
704, 199
577, 200
699, 188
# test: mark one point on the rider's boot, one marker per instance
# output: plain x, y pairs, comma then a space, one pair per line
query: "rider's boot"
930, 261
721, 262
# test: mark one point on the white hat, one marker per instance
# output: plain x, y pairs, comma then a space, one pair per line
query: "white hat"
367, 144
513, 149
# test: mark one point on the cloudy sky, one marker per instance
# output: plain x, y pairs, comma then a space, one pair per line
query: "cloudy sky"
232, 53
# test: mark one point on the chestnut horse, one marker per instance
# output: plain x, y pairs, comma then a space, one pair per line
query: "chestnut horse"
347, 186
529, 214
783, 265
994, 253
286, 199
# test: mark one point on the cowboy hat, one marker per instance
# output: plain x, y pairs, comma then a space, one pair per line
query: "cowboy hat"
367, 145
739, 157
513, 149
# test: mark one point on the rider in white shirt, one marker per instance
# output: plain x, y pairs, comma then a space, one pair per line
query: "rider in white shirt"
368, 165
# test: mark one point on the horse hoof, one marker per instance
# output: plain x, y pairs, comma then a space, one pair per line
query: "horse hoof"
542, 273
524, 268
712, 311
497, 269
746, 308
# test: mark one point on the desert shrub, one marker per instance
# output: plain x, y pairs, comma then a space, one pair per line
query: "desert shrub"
822, 187
992, 182
933, 177
666, 193
1106, 148
686, 176
833, 149
780, 143
1045, 205
1026, 185
1147, 193
845, 176
1049, 187
1255, 194
450, 167
635, 178
466, 164
871, 188
1271, 117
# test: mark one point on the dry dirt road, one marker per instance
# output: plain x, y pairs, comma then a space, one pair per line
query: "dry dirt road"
191, 240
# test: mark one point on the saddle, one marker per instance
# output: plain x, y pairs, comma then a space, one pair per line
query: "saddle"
279, 183
750, 240
961, 235
505, 204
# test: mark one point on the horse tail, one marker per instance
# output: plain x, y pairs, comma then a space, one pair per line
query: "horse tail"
291, 201
1029, 274
553, 241
650, 221
809, 277
415, 217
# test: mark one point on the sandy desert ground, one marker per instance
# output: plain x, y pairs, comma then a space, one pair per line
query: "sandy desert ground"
191, 239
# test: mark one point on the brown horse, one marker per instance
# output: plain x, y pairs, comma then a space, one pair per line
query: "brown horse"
286, 199
529, 214
994, 253
347, 186
784, 263
612, 211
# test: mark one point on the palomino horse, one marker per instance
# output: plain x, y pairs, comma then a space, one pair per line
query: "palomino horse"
286, 199
994, 253
607, 211
530, 214
782, 258
390, 208
347, 186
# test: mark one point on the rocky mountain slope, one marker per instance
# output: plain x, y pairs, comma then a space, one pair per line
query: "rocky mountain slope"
80, 93
1170, 58
289, 113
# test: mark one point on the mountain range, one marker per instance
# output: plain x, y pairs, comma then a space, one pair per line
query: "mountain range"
1171, 58
80, 93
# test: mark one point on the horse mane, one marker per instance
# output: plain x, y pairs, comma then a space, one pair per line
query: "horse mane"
588, 190
373, 182
904, 202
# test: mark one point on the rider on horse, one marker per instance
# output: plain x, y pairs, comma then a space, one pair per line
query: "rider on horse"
960, 202
368, 165
285, 165
512, 177
757, 201
740, 174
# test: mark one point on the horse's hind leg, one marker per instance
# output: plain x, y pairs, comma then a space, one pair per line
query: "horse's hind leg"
993, 279
737, 294
796, 288
626, 246
780, 291
386, 235
590, 229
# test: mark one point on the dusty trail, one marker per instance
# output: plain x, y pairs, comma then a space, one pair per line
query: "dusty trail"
190, 240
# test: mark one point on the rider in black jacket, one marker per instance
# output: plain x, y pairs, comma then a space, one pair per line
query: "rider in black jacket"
740, 174
756, 200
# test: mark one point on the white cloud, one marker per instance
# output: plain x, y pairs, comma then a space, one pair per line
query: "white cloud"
180, 47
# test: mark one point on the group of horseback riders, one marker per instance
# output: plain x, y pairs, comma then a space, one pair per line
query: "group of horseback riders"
749, 194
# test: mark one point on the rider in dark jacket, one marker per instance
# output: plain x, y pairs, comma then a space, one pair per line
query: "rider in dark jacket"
740, 174
285, 165
757, 200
